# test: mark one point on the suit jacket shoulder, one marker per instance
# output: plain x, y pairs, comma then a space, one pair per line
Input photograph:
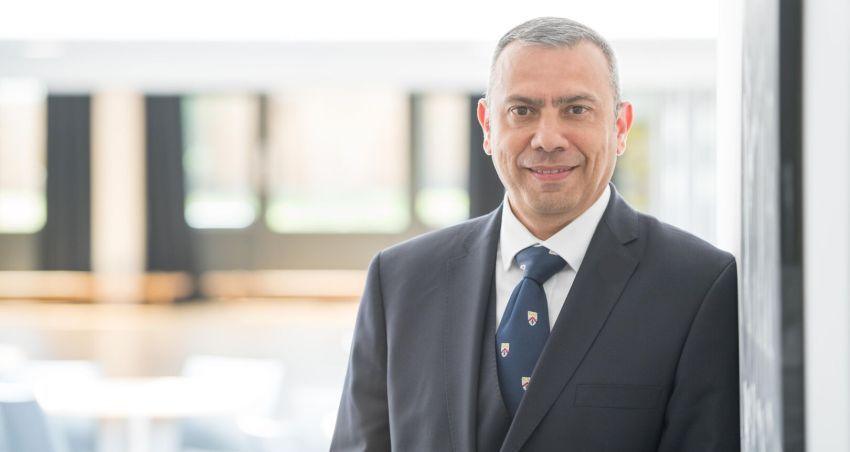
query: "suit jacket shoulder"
418, 263
438, 244
677, 254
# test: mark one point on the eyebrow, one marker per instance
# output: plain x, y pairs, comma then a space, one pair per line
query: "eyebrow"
566, 100
525, 100
559, 101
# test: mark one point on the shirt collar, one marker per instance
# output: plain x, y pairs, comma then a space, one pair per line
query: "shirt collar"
570, 242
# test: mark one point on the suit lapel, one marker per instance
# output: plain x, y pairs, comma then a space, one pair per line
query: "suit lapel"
468, 281
603, 275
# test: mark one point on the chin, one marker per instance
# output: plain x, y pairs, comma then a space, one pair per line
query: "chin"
553, 205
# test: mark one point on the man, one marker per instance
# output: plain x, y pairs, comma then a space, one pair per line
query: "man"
562, 321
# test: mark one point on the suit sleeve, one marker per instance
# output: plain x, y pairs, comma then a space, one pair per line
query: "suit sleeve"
703, 409
363, 423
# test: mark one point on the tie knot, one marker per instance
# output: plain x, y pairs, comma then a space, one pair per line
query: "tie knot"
539, 263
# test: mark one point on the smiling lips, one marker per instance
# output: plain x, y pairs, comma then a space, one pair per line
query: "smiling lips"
551, 173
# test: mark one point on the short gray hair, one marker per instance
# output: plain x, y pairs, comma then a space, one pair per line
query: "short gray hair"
558, 32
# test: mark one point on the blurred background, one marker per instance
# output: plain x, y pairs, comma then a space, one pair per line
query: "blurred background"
190, 192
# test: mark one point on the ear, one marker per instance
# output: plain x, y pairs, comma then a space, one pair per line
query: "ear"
483, 114
625, 113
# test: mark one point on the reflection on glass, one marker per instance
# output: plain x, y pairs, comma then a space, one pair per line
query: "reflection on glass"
443, 159
221, 137
22, 156
633, 172
669, 166
338, 161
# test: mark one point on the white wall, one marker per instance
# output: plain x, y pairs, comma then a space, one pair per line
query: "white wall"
826, 223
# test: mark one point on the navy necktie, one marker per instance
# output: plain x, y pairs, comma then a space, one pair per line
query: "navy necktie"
524, 328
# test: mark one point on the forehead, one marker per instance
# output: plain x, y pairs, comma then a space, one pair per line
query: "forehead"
544, 71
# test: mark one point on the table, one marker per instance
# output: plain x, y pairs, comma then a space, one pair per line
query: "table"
139, 414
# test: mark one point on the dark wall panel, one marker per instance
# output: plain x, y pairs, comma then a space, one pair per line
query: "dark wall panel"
791, 221
66, 237
169, 246
485, 188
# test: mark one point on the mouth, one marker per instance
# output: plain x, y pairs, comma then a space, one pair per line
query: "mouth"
551, 173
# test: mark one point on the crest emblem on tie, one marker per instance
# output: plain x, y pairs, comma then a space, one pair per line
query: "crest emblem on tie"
532, 318
505, 348
525, 381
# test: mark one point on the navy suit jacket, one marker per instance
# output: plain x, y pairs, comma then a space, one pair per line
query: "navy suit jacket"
643, 355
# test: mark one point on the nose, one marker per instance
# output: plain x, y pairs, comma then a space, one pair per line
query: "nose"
549, 135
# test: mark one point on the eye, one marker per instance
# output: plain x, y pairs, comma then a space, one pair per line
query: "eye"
577, 109
521, 110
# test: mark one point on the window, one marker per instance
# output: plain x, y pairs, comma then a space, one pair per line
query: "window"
338, 161
669, 166
221, 139
22, 156
442, 166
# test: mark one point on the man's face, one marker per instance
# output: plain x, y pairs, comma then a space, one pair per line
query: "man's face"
550, 125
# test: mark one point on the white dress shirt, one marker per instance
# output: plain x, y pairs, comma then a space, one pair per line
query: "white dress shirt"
570, 243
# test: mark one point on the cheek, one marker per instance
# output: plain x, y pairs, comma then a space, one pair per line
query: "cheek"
598, 149
507, 162
509, 150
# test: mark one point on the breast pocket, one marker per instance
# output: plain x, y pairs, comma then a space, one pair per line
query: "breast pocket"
618, 396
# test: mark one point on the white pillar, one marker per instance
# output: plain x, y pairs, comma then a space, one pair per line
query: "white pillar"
118, 196
826, 223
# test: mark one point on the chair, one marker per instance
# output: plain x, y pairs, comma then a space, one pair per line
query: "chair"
23, 425
79, 434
